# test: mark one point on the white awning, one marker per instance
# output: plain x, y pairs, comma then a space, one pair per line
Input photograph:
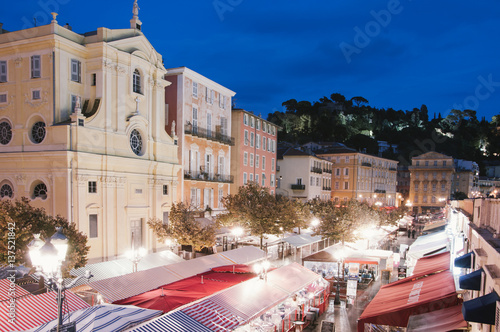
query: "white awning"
300, 240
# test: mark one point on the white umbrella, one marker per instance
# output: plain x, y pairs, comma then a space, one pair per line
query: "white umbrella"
107, 317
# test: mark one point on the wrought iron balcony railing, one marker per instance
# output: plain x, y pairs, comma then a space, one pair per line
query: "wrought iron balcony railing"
212, 135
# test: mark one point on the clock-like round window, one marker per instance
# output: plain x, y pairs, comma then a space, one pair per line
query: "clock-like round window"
136, 142
38, 132
5, 132
6, 191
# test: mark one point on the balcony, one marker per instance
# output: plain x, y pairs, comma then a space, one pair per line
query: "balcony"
394, 169
316, 170
326, 170
366, 164
327, 188
379, 191
298, 186
204, 176
212, 135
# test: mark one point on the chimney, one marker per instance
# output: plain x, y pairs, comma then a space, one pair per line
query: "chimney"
1, 28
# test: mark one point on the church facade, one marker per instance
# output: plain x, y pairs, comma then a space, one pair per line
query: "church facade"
83, 131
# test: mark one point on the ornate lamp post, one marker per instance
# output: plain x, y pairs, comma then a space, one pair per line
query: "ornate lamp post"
135, 254
47, 258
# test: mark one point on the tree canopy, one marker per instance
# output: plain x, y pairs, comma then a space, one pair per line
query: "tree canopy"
28, 221
412, 132
184, 228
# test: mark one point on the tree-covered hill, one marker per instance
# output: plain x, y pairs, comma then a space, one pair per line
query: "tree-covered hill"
353, 122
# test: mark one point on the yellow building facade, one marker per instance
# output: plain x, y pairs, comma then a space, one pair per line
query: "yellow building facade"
82, 131
362, 176
431, 177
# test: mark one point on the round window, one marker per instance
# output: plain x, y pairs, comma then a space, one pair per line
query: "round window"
5, 132
6, 191
136, 142
38, 132
40, 191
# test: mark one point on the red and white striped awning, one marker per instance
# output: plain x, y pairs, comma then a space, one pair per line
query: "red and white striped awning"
128, 285
10, 290
34, 310
214, 316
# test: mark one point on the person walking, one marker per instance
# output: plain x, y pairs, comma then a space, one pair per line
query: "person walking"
413, 233
409, 232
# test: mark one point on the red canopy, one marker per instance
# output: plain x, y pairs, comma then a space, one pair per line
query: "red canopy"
431, 264
176, 294
443, 320
395, 302
235, 268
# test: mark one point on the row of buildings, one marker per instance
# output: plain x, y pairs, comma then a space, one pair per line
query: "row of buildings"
94, 128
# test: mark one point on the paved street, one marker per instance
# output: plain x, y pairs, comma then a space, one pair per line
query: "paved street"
346, 318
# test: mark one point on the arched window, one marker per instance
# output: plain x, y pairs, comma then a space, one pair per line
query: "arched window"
5, 132
137, 81
6, 191
40, 191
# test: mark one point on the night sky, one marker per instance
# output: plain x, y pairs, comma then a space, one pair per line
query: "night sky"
398, 54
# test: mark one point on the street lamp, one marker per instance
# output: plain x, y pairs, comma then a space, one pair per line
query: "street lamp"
135, 255
237, 232
47, 258
261, 269
339, 255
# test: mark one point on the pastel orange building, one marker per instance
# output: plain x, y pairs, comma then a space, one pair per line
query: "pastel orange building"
253, 158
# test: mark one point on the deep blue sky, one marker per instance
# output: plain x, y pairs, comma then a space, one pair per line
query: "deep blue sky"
408, 53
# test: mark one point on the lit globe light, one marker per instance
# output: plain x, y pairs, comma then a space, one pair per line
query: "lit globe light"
339, 255
168, 242
315, 222
142, 252
266, 265
237, 231
60, 242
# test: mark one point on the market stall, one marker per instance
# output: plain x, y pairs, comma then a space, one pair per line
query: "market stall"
432, 264
396, 302
176, 294
46, 310
448, 319
271, 303
107, 317
128, 285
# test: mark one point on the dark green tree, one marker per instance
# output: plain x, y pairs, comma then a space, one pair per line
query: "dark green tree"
20, 220
184, 228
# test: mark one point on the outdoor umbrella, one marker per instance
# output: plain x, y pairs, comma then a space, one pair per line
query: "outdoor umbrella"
107, 317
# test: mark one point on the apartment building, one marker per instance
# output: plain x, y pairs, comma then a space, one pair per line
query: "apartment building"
83, 131
200, 110
465, 178
479, 268
253, 158
431, 177
361, 176
303, 175
403, 185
